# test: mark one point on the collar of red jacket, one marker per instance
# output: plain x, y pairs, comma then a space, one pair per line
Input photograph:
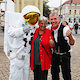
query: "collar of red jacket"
53, 28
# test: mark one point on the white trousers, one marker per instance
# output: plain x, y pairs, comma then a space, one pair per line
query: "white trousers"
19, 69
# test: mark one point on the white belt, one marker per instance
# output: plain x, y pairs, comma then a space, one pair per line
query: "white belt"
61, 53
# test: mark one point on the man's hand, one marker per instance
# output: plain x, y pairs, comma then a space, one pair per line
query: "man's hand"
68, 33
51, 42
71, 39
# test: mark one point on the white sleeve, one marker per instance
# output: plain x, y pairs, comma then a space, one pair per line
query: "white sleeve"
66, 28
71, 25
49, 27
15, 32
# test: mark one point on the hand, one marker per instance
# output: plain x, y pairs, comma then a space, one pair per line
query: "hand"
71, 39
26, 29
68, 33
51, 42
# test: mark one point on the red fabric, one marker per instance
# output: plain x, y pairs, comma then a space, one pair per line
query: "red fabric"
71, 29
53, 28
45, 61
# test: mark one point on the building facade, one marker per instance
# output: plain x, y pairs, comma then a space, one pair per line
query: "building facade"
20, 4
70, 11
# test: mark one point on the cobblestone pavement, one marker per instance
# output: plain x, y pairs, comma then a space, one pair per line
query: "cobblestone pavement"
75, 62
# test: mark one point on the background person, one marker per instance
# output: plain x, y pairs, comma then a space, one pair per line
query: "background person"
65, 23
76, 27
71, 25
40, 50
61, 56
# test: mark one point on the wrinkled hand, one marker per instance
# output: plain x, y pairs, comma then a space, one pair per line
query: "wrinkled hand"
51, 42
71, 39
68, 33
26, 29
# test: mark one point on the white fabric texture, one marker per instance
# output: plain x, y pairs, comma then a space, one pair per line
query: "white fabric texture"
71, 25
29, 9
56, 32
20, 67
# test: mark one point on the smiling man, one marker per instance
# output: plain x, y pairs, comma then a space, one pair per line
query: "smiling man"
61, 56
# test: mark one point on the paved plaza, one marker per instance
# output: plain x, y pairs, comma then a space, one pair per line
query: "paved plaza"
75, 61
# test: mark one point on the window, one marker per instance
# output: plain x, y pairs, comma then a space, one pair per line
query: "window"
75, 12
69, 19
69, 11
79, 12
74, 20
79, 20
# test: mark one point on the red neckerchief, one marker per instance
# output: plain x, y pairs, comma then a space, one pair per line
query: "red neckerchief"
53, 28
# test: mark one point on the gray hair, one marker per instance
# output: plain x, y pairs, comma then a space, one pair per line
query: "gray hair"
52, 14
43, 18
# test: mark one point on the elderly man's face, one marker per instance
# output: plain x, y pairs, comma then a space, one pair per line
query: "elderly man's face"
42, 25
54, 19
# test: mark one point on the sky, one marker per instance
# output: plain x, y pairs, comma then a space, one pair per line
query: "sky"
55, 3
52, 3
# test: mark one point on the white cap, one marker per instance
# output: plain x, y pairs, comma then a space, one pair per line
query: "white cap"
29, 9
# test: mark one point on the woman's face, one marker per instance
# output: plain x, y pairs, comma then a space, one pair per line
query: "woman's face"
64, 23
42, 25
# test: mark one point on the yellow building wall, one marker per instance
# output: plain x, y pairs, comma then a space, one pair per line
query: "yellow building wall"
73, 8
20, 4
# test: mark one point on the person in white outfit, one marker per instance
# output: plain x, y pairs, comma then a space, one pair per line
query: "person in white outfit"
19, 40
71, 25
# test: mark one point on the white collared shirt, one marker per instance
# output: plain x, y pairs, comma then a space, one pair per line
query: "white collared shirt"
66, 28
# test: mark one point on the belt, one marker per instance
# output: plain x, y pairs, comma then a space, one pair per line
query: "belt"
60, 53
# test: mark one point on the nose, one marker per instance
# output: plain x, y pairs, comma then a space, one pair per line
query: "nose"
44, 25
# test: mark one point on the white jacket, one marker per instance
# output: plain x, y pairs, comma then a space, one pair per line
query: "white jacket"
16, 42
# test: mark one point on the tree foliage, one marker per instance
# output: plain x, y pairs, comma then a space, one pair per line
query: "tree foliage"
46, 10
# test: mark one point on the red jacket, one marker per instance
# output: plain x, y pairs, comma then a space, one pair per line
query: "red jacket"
44, 58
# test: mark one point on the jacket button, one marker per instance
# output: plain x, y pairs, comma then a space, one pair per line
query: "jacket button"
40, 55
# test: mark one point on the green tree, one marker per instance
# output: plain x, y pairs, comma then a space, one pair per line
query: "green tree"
46, 10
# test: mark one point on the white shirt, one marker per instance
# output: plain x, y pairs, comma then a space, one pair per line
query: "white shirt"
71, 25
66, 28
